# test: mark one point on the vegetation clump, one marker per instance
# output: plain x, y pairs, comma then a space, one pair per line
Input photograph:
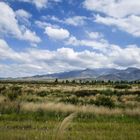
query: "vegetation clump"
83, 93
42, 93
104, 101
122, 86
14, 92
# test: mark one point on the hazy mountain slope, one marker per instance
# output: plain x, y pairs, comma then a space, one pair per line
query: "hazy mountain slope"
129, 74
99, 74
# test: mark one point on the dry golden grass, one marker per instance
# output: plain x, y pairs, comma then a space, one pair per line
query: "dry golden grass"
129, 97
64, 88
2, 99
68, 108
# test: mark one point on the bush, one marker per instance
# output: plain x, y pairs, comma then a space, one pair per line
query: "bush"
42, 93
83, 93
30, 92
107, 92
104, 101
2, 89
14, 92
122, 86
72, 99
91, 101
32, 99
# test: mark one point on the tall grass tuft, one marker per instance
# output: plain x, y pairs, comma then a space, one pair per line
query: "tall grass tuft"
63, 126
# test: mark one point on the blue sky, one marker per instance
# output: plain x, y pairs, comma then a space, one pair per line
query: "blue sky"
47, 36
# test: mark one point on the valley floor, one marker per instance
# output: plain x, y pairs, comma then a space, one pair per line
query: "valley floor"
69, 112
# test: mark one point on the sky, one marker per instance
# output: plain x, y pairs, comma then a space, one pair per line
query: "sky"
49, 36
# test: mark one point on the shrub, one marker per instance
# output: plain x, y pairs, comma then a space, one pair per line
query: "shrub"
138, 98
30, 92
2, 90
13, 92
83, 93
32, 99
42, 93
122, 86
107, 92
104, 101
91, 101
72, 99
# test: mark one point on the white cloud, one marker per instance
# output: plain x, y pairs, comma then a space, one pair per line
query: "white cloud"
125, 57
124, 14
40, 3
95, 35
99, 44
7, 53
9, 25
115, 55
53, 31
42, 24
130, 24
74, 20
57, 33
8, 22
31, 36
23, 16
114, 8
36, 61
4, 50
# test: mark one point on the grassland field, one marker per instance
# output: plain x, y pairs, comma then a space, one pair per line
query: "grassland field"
69, 111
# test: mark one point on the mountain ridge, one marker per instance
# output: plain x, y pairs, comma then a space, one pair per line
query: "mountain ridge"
128, 74
105, 74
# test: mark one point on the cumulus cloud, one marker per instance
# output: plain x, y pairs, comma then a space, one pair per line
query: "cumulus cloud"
114, 8
7, 53
95, 35
42, 24
57, 33
53, 31
31, 36
123, 14
74, 20
23, 16
39, 3
9, 24
125, 57
130, 24
36, 61
95, 44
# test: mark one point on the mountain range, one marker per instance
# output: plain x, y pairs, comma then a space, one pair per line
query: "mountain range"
129, 74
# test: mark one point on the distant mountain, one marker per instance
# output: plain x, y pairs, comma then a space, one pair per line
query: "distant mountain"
97, 74
128, 74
